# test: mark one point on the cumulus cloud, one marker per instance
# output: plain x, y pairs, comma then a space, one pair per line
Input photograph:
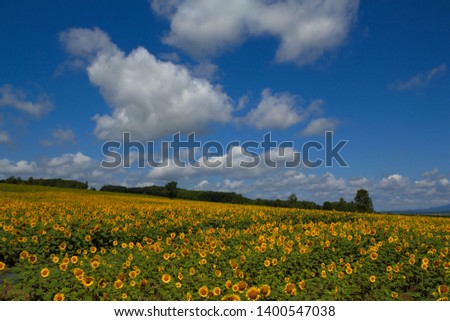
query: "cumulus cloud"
148, 97
60, 136
431, 173
319, 126
419, 80
17, 99
393, 182
279, 111
10, 168
87, 43
359, 182
305, 29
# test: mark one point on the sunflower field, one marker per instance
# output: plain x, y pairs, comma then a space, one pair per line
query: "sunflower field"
62, 244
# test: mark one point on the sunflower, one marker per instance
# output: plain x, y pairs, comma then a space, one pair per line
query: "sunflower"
24, 255
132, 274
302, 285
178, 285
266, 263
102, 283
45, 272
118, 284
58, 297
216, 291
79, 273
394, 295
341, 275
242, 285
63, 267
74, 259
412, 261
87, 238
324, 273
274, 262
62, 246
231, 297
233, 264
203, 291
191, 271
290, 289
166, 256
228, 284
253, 293
235, 287
218, 273
189, 296
372, 278
124, 296
95, 264
2, 266
87, 281
374, 255
143, 283
349, 270
265, 290
425, 261
166, 278
32, 259
443, 289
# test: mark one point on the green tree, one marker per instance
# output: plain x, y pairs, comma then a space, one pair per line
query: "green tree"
171, 189
363, 202
327, 206
292, 199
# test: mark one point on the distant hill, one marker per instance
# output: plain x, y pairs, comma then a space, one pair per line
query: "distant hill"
430, 210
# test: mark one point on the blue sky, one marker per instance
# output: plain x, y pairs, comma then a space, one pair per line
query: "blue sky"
77, 74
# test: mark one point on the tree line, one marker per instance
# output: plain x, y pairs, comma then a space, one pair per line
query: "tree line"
54, 182
361, 203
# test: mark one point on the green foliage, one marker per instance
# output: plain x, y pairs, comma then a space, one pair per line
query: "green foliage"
171, 190
363, 202
53, 182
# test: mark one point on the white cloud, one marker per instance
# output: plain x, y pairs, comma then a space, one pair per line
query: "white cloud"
206, 70
148, 97
203, 184
305, 29
359, 182
12, 97
319, 126
419, 80
87, 43
20, 168
430, 173
4, 137
59, 137
279, 111
232, 185
76, 166
394, 182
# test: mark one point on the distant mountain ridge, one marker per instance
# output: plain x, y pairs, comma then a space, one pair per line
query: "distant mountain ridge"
438, 209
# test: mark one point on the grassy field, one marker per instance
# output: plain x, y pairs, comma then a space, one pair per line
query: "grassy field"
62, 244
